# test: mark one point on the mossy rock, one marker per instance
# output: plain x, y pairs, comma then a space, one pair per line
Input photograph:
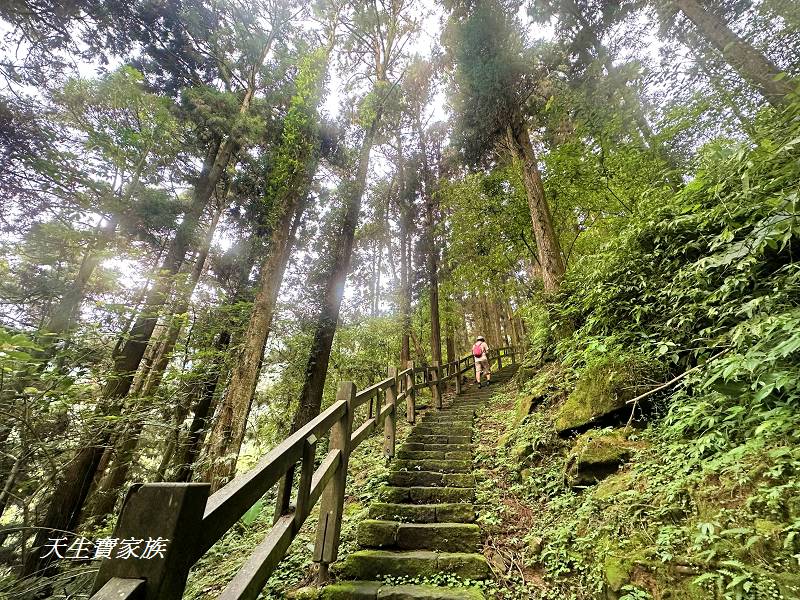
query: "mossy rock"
602, 391
613, 485
617, 572
597, 455
524, 405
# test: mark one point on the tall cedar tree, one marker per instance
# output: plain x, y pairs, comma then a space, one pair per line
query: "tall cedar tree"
72, 488
288, 187
491, 84
379, 36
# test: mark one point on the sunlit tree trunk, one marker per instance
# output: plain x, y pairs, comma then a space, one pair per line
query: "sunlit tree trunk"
751, 64
547, 244
432, 254
325, 328
405, 242
231, 420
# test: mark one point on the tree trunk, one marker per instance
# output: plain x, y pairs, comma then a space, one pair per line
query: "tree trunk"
206, 389
494, 319
319, 356
71, 490
432, 252
450, 344
231, 421
463, 329
512, 320
751, 64
405, 234
549, 249
188, 453
432, 258
110, 486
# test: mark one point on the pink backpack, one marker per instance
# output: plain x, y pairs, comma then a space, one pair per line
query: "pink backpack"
477, 350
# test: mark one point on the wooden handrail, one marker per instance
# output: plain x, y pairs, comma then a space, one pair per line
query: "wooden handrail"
193, 521
231, 502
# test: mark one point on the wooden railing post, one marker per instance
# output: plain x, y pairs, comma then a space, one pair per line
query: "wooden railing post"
513, 355
303, 507
458, 377
436, 386
166, 515
389, 426
500, 358
411, 395
329, 526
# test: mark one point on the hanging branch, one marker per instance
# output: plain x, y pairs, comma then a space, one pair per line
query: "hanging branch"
671, 382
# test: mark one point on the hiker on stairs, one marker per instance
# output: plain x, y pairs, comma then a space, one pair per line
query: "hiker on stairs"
480, 350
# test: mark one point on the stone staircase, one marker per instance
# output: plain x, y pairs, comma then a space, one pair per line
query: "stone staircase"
424, 523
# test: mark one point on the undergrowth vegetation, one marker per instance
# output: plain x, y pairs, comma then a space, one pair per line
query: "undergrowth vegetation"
703, 286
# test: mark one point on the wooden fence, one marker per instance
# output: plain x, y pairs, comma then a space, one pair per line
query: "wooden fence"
192, 521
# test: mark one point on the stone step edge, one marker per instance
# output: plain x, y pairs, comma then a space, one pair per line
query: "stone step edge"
369, 564
425, 495
377, 590
444, 512
438, 537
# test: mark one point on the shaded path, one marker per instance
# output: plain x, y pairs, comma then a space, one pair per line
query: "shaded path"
424, 523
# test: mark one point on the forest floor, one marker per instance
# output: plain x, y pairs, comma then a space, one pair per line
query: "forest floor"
507, 520
651, 530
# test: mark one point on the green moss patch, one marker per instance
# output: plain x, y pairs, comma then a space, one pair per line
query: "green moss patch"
602, 390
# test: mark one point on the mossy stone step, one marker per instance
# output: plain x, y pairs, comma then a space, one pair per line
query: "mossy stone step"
442, 466
431, 479
437, 447
420, 438
442, 537
404, 454
449, 415
447, 419
426, 495
442, 429
423, 513
457, 422
434, 454
376, 590
371, 564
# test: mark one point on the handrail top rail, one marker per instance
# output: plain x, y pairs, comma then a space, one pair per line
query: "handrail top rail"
374, 388
227, 505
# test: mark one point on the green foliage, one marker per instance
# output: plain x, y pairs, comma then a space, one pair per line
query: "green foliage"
298, 146
486, 45
120, 121
707, 279
488, 227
